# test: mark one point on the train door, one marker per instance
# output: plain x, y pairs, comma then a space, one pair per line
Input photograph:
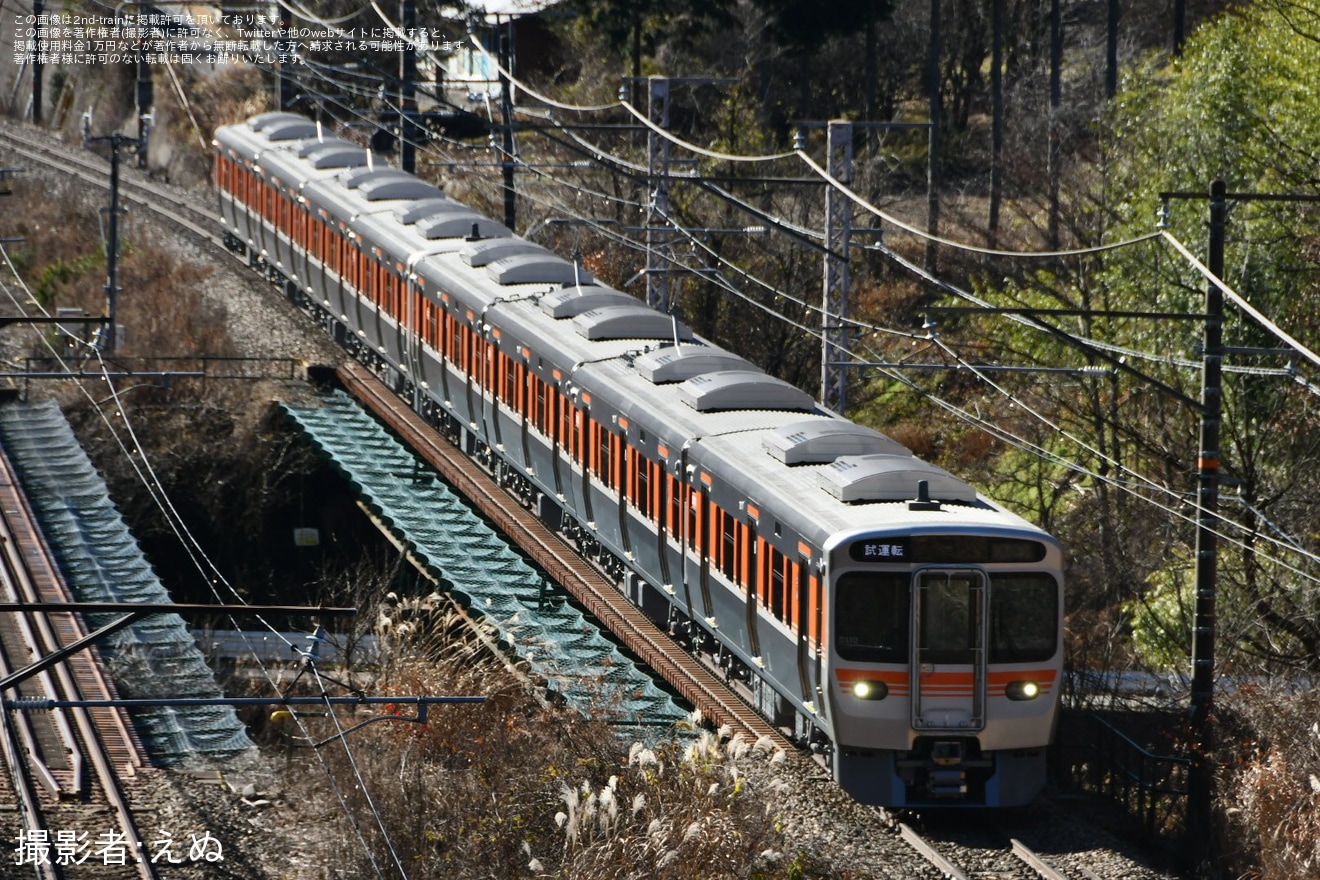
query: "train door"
949, 655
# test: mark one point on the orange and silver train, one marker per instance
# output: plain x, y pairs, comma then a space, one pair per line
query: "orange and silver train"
875, 607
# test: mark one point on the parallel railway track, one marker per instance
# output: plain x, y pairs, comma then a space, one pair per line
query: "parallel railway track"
62, 758
190, 214
1012, 860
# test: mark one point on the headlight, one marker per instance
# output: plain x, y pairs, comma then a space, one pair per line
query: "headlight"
870, 690
1022, 690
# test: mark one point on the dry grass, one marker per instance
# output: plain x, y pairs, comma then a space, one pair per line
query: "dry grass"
511, 788
1270, 787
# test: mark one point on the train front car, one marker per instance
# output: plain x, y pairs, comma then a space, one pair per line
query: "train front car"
944, 655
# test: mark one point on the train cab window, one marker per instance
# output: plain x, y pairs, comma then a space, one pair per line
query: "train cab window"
950, 616
871, 616
1024, 618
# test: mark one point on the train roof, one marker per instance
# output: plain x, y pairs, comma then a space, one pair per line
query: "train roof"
754, 438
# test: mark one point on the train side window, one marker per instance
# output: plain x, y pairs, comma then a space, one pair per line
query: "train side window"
762, 571
554, 426
566, 425
606, 457
641, 490
575, 437
796, 593
870, 614
728, 554
657, 483
776, 597
454, 335
509, 377
675, 512
1024, 618
543, 402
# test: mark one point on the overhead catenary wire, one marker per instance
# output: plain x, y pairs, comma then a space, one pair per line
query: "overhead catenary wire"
598, 154
1241, 301
811, 163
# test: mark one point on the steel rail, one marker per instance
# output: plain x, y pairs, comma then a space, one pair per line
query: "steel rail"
147, 195
1035, 862
19, 561
930, 853
599, 597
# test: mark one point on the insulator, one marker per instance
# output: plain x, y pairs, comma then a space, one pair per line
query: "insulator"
40, 704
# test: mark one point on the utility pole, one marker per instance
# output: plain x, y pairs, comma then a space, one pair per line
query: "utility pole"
1053, 156
1200, 782
658, 254
506, 108
1111, 49
1179, 19
109, 330
933, 160
38, 9
145, 92
408, 90
284, 62
996, 118
838, 231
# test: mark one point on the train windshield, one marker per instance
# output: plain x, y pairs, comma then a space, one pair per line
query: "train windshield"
871, 616
873, 609
1024, 618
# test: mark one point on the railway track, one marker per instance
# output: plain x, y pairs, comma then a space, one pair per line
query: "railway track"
1001, 859
65, 764
691, 678
185, 210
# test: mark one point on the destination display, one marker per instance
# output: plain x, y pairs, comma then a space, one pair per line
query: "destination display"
925, 549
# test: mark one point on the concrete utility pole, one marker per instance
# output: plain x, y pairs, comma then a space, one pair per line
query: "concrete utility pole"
506, 110
659, 256
408, 90
1111, 48
933, 160
1200, 778
38, 9
996, 118
1179, 23
109, 331
838, 232
145, 93
284, 63
1056, 101
1201, 773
